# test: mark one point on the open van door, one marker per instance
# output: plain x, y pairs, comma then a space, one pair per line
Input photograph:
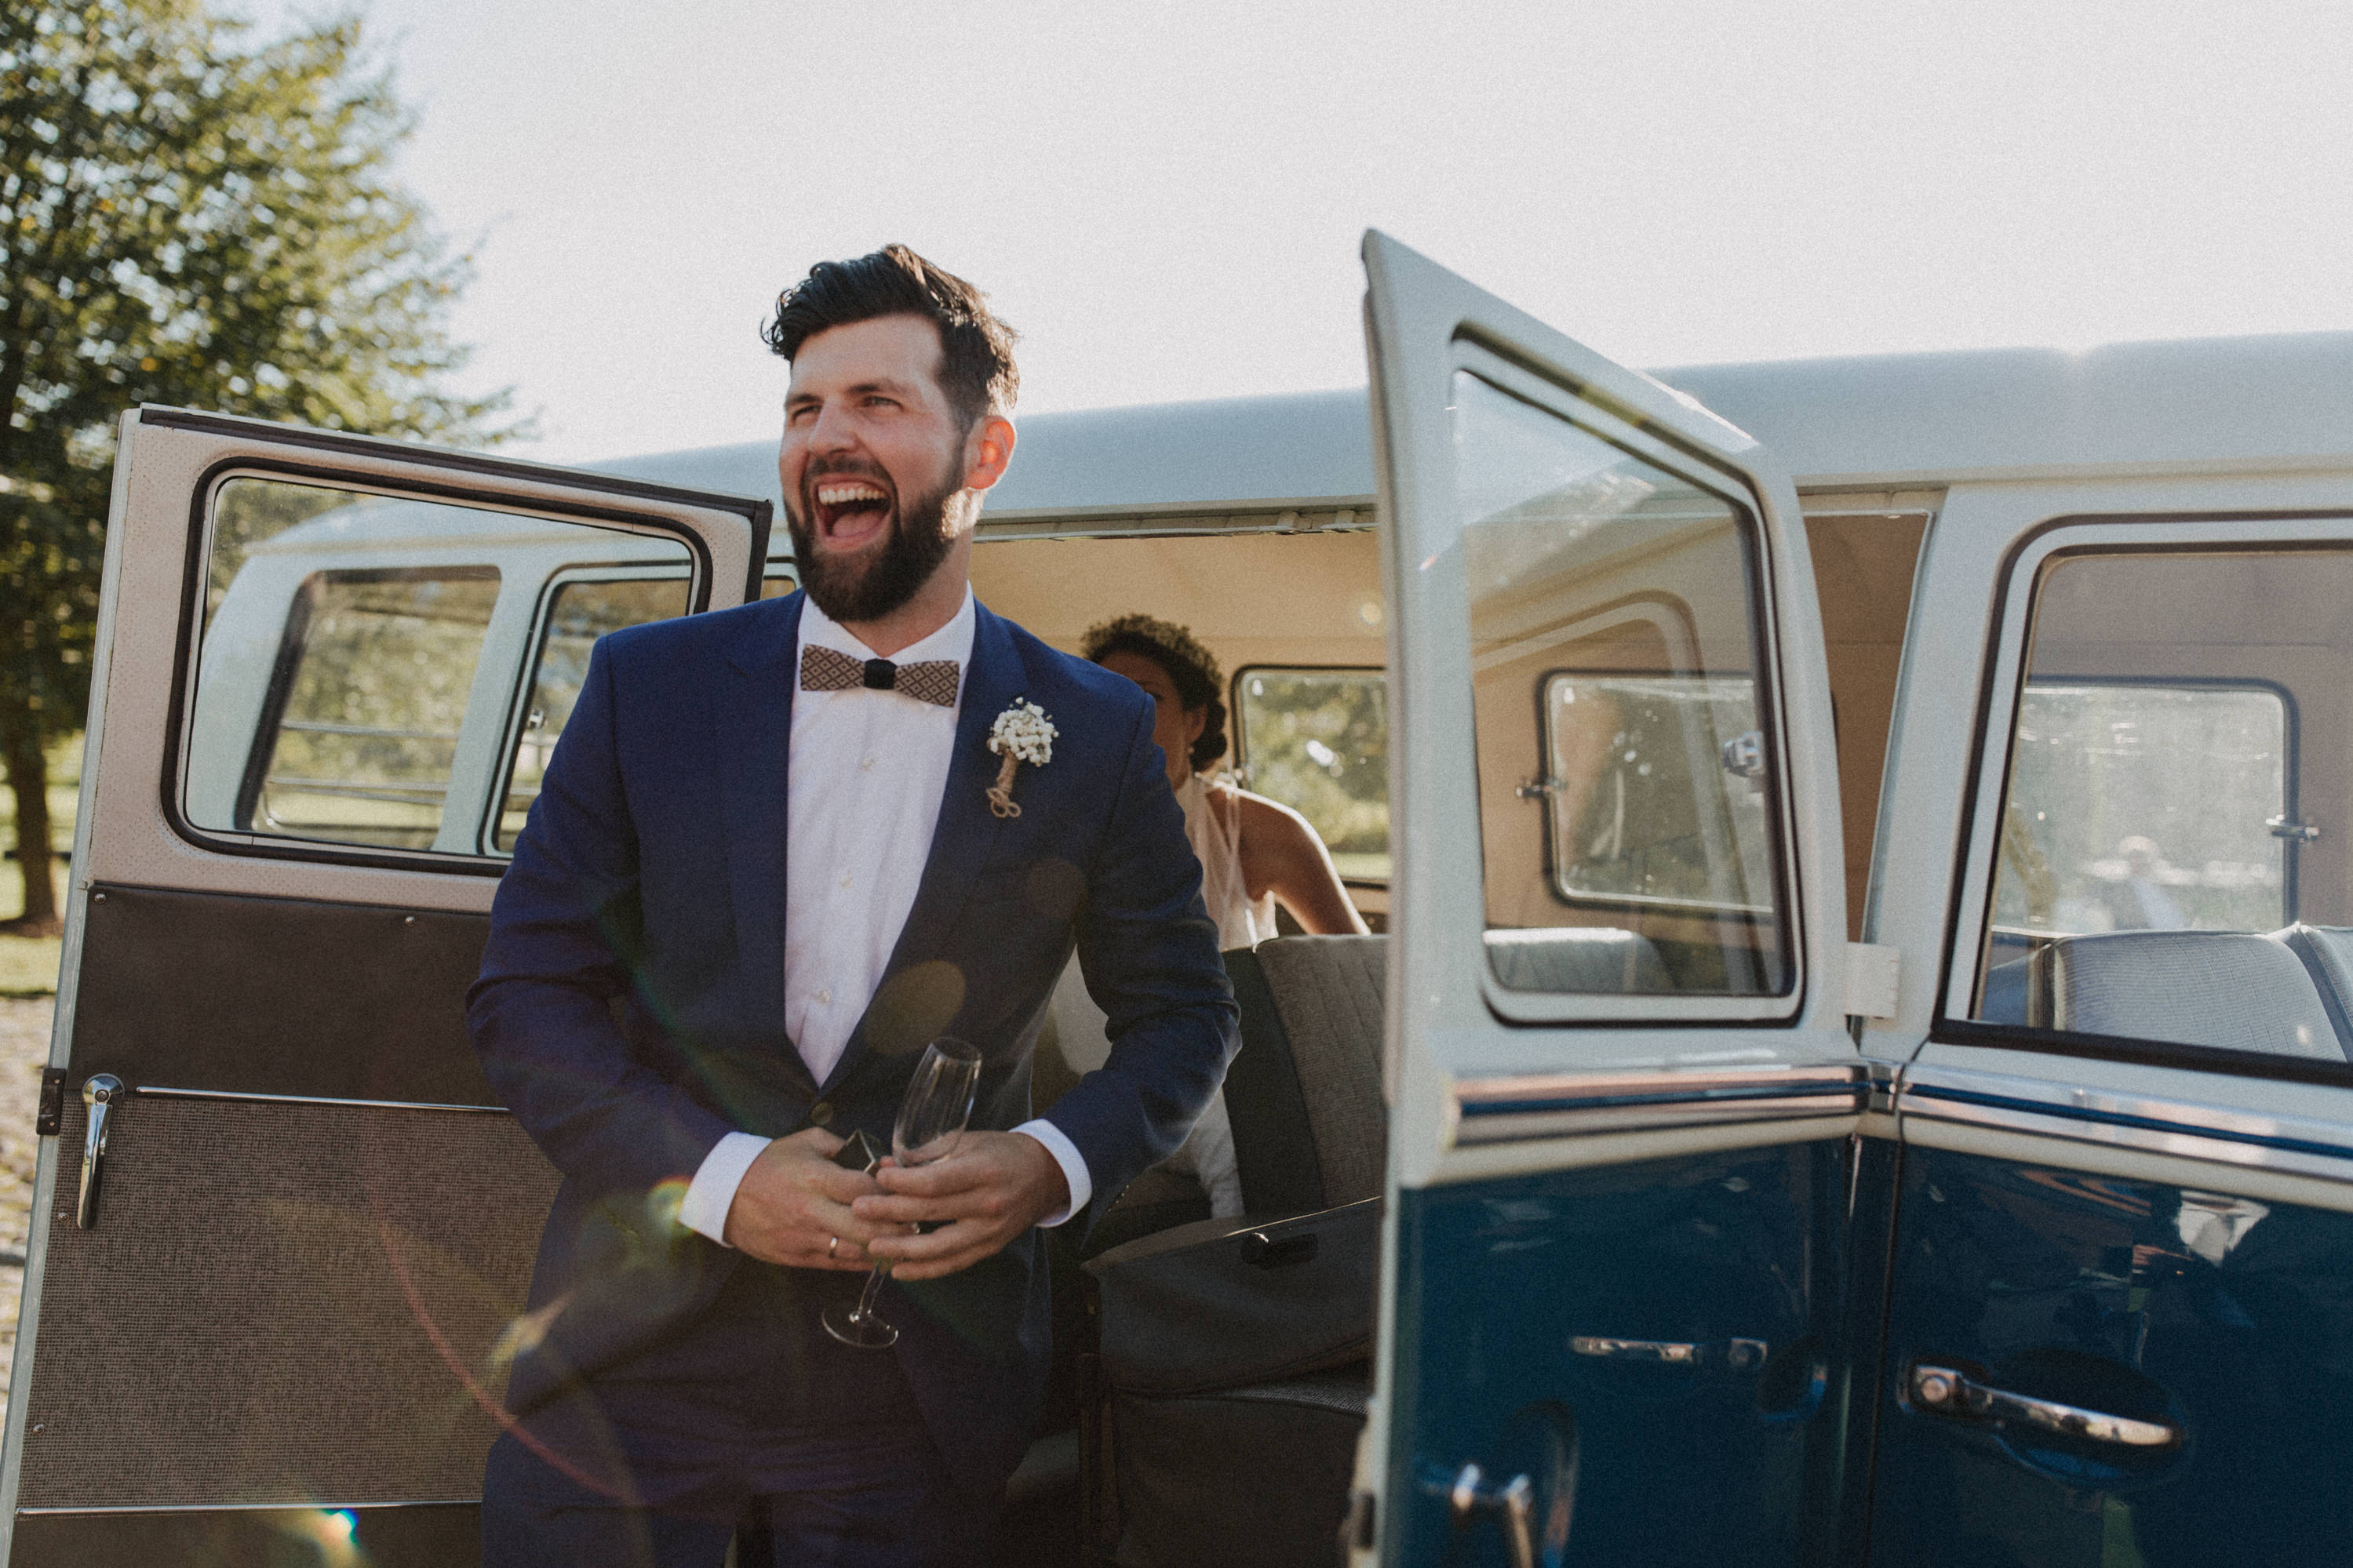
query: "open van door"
1625, 1100
283, 1227
2119, 1294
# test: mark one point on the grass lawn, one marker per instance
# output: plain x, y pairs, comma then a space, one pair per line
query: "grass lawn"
28, 965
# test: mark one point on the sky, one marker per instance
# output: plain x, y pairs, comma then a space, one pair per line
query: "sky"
1167, 200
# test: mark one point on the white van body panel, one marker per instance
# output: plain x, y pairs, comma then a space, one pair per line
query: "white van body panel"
1888, 421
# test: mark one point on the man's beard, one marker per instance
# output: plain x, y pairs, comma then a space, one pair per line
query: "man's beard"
870, 585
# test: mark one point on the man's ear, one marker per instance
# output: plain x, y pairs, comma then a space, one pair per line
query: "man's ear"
987, 449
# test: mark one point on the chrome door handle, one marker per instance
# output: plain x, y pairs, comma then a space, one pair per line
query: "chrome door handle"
1738, 1355
99, 1093
1515, 1500
1947, 1392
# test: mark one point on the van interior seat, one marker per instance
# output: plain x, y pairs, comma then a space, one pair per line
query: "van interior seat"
1312, 1008
1238, 1478
1236, 1353
1602, 959
2327, 955
2234, 991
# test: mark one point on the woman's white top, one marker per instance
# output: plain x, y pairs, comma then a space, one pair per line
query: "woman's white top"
1213, 821
1216, 833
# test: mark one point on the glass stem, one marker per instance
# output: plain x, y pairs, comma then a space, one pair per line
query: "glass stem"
865, 1312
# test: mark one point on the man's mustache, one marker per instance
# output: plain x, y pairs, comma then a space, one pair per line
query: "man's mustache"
825, 467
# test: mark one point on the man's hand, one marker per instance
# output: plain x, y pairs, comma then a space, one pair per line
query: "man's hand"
994, 1187
795, 1201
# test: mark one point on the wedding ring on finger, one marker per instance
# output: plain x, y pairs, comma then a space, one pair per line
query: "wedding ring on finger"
833, 1246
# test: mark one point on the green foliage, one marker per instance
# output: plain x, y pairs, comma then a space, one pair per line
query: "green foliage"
189, 219
1318, 742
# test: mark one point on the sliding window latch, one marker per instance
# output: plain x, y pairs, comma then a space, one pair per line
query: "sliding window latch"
2294, 832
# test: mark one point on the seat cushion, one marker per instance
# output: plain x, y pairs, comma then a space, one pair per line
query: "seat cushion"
1329, 992
1601, 959
2229, 990
1247, 1477
1274, 1142
2328, 954
1228, 1303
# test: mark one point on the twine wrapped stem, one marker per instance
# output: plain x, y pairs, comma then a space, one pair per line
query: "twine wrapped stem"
1000, 794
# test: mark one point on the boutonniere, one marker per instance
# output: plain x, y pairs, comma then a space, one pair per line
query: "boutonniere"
1022, 733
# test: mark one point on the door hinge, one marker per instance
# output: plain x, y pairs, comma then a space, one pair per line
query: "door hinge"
52, 1112
1873, 977
1882, 1079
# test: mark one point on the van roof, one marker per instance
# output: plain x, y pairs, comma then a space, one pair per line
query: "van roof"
1883, 420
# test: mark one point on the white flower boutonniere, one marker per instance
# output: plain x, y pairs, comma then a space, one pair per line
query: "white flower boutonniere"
1022, 733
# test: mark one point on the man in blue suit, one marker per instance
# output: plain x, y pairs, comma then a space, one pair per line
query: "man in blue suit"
773, 857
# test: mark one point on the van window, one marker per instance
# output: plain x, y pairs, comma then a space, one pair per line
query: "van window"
1647, 751
362, 655
2112, 796
2156, 876
1627, 776
578, 613
1318, 740
380, 666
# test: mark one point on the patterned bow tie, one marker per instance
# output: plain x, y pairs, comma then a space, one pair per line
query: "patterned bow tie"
933, 680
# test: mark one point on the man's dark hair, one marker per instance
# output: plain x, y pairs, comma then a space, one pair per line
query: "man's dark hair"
1190, 668
976, 369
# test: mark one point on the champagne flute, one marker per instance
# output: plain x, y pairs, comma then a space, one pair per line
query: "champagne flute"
932, 1117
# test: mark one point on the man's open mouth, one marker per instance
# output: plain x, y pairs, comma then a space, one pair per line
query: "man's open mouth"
850, 511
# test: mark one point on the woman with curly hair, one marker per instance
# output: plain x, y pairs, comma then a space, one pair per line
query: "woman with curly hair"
1254, 852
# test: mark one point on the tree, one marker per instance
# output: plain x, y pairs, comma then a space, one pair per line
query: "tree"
185, 219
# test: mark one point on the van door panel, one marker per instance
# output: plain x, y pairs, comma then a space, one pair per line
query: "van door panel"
1565, 1301
280, 1300
1619, 1296
2128, 1176
283, 1333
2224, 1317
284, 997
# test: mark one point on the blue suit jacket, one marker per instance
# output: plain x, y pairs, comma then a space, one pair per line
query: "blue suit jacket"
630, 1008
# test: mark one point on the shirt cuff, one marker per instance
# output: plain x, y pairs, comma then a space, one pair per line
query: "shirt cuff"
1074, 1168
712, 1192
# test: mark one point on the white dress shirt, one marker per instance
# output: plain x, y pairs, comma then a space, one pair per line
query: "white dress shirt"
866, 773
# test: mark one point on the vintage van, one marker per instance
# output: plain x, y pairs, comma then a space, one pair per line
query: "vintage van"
1854, 1068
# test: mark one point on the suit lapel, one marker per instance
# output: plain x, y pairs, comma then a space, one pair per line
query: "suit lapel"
754, 741
964, 833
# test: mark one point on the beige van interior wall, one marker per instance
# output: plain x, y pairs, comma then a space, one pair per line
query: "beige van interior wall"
1863, 574
1674, 601
1315, 599
1254, 598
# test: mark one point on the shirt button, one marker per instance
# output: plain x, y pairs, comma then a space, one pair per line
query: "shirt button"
825, 996
820, 1113
865, 765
